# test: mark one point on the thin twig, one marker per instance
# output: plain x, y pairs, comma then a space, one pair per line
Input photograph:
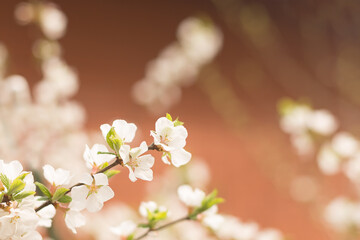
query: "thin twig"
162, 227
118, 161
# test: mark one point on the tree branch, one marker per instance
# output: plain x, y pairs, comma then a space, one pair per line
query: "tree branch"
118, 161
163, 227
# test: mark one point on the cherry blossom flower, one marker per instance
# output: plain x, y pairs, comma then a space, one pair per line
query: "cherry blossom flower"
125, 131
171, 139
46, 214
124, 229
150, 206
92, 194
95, 160
56, 177
190, 197
19, 221
139, 166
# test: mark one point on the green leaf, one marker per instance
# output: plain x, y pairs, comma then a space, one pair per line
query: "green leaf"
22, 176
65, 199
178, 123
160, 215
22, 195
110, 153
59, 193
43, 198
104, 165
168, 116
44, 189
5, 180
113, 140
1, 196
16, 186
110, 173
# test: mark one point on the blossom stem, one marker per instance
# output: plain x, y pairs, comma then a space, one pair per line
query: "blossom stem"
118, 161
163, 227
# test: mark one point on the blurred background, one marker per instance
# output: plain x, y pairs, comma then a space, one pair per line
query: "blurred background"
305, 50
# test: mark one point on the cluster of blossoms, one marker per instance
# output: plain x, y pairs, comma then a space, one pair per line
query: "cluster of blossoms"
335, 151
50, 99
305, 125
198, 42
81, 191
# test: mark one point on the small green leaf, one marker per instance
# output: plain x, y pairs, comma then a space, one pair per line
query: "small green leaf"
113, 140
43, 198
22, 195
1, 196
16, 186
178, 123
110, 173
160, 215
104, 165
22, 176
5, 180
168, 116
65, 199
43, 189
110, 153
59, 193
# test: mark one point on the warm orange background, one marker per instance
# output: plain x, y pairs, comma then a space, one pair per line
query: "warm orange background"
110, 42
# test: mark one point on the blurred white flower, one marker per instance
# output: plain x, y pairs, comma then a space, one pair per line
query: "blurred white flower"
124, 229
343, 214
52, 21
189, 196
345, 144
150, 206
328, 161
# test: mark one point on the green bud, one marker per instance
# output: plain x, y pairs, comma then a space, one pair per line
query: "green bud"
168, 116
110, 173
113, 140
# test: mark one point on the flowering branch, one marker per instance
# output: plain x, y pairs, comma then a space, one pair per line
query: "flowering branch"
163, 227
118, 161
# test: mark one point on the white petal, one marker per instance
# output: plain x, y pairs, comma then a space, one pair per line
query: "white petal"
49, 173
74, 219
146, 161
162, 123
93, 203
86, 179
144, 174
61, 177
131, 174
180, 157
124, 153
105, 128
101, 179
105, 193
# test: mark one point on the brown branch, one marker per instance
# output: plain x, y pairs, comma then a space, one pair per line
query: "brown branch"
118, 161
163, 227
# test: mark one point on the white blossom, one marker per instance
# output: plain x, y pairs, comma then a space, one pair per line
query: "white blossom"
95, 160
124, 229
92, 194
171, 139
151, 207
125, 131
139, 166
56, 177
191, 198
52, 21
